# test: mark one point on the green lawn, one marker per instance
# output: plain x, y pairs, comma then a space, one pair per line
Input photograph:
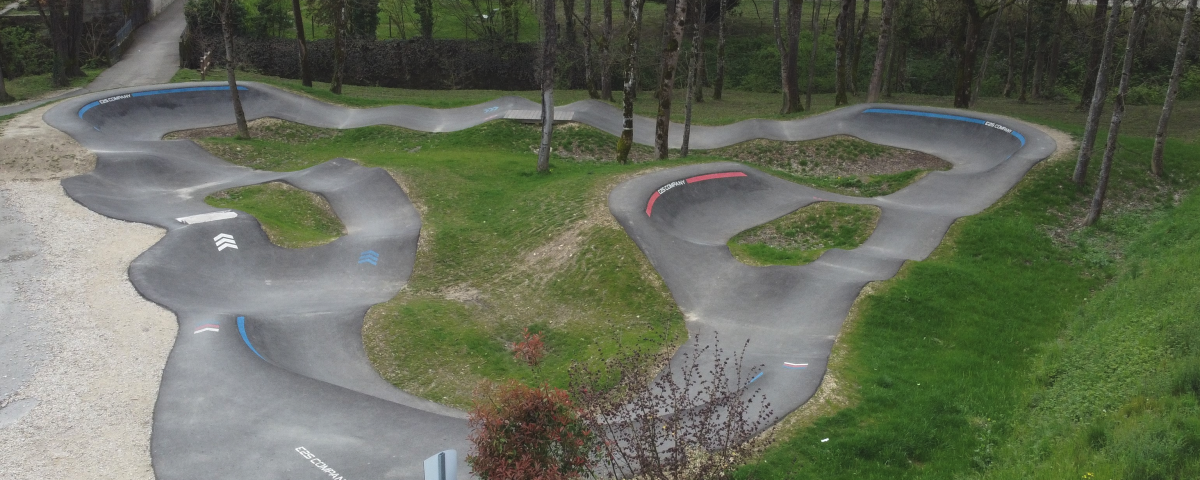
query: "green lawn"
1026, 346
802, 236
292, 218
33, 86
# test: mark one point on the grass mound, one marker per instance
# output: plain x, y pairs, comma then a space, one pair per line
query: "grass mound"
292, 218
801, 236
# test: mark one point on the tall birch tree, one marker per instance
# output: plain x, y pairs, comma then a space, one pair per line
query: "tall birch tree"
1114, 126
1099, 96
676, 21
1160, 135
881, 49
227, 36
634, 21
549, 54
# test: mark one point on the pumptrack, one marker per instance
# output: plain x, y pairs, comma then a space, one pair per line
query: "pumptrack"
268, 378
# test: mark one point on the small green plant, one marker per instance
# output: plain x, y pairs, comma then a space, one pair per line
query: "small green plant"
525, 433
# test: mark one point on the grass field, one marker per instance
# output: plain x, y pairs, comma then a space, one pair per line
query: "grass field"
802, 236
291, 217
1027, 346
34, 86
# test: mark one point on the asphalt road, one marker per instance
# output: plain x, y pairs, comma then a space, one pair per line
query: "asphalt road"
152, 58
268, 378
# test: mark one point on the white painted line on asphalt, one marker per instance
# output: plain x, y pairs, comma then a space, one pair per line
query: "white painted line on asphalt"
206, 217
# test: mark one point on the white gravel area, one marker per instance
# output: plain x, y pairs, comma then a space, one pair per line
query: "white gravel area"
86, 410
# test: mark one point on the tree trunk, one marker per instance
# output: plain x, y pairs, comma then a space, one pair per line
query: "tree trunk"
719, 83
970, 48
55, 19
1099, 95
227, 35
1026, 51
858, 46
987, 55
851, 21
666, 87
701, 65
424, 10
787, 52
569, 38
812, 57
1008, 78
1096, 33
626, 141
1114, 126
1055, 55
588, 76
305, 72
4, 96
549, 55
792, 75
339, 46
693, 71
606, 54
881, 49
1160, 135
74, 38
842, 33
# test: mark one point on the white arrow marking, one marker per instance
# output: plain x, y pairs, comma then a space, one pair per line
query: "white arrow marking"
226, 245
209, 329
223, 235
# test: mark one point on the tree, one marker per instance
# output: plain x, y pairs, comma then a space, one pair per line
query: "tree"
606, 53
63, 19
1008, 77
842, 34
337, 14
4, 96
858, 46
634, 21
672, 38
227, 35
881, 49
987, 55
788, 51
719, 82
587, 50
812, 57
1096, 40
1160, 135
1099, 95
523, 433
305, 71
549, 56
424, 11
968, 48
1114, 126
1026, 50
362, 18
693, 70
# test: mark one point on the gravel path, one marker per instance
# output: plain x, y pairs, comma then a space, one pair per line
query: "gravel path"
93, 349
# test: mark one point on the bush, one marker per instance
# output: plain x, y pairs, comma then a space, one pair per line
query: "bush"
531, 350
524, 433
25, 53
203, 17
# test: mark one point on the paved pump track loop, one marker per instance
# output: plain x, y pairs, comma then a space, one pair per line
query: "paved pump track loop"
268, 378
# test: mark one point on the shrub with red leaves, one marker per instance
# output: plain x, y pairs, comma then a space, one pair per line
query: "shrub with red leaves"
524, 433
531, 350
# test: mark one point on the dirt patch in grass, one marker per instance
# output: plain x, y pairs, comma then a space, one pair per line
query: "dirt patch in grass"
272, 129
802, 236
837, 156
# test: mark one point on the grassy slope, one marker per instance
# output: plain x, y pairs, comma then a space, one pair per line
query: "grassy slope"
292, 218
33, 86
938, 369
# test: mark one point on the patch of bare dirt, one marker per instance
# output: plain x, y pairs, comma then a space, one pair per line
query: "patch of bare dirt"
837, 156
272, 129
33, 150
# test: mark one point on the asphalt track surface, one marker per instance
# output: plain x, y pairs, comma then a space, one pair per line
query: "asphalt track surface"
268, 378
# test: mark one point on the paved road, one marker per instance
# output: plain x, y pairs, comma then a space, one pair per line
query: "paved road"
268, 378
152, 58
